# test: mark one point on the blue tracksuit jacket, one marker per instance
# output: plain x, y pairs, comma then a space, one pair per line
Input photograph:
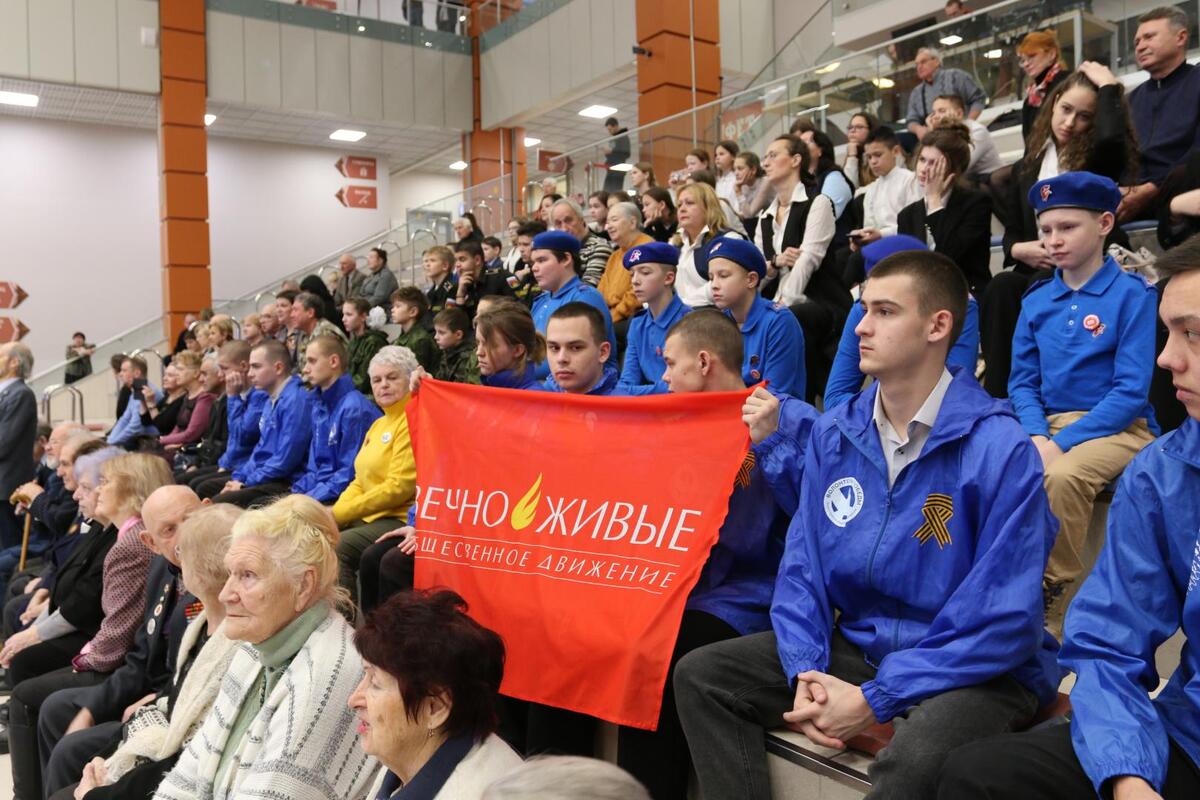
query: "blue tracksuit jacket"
285, 428
341, 416
243, 415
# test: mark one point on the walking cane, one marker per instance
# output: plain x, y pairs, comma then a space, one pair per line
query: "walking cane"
18, 499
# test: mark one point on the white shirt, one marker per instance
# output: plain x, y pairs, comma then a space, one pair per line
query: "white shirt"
985, 158
727, 188
886, 197
897, 452
851, 168
818, 233
1050, 166
693, 290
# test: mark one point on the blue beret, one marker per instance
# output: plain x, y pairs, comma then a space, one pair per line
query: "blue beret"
652, 253
556, 240
1075, 190
880, 249
741, 252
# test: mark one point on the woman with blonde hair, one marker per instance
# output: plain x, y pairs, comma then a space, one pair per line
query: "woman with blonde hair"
280, 725
701, 219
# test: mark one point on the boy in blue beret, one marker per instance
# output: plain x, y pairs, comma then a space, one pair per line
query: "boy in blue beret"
773, 340
555, 267
1083, 354
653, 276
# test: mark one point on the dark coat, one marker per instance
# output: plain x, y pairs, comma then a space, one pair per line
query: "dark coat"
18, 431
961, 230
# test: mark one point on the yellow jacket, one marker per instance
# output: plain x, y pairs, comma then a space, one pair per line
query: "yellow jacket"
616, 285
385, 474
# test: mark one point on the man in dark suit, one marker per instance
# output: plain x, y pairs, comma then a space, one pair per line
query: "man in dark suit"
18, 432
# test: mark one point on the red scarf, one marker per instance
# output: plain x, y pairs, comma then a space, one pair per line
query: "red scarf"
1036, 92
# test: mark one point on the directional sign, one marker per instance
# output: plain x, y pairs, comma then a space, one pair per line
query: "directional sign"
357, 196
11, 295
12, 330
357, 167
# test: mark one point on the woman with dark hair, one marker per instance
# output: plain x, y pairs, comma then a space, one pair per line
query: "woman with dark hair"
723, 157
750, 195
329, 309
1084, 124
641, 178
658, 214
597, 208
855, 166
426, 705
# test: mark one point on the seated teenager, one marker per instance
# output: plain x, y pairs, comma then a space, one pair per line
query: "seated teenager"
243, 410
491, 253
1082, 360
1120, 743
1083, 126
555, 257
985, 159
524, 286
773, 341
922, 475
438, 263
341, 417
701, 219
452, 333
732, 597
624, 230
952, 218
426, 707
196, 405
75, 724
285, 428
297, 663
658, 214
653, 268
385, 475
508, 347
895, 187
845, 378
410, 310
475, 280
578, 353
365, 341
129, 424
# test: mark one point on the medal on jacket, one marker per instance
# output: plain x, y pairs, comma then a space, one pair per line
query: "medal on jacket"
938, 510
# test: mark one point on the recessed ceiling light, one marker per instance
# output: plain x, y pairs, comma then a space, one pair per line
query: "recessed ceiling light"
883, 83
532, 142
993, 53
429, 44
209, 119
346, 135
19, 99
828, 68
951, 40
458, 166
361, 28
621, 167
598, 112
462, 17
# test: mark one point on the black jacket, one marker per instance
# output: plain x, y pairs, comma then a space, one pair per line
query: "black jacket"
961, 230
18, 430
212, 445
80, 583
54, 509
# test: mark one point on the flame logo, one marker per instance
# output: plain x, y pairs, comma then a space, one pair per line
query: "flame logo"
525, 509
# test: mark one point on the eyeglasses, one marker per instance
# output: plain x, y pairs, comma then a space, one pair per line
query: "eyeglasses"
858, 128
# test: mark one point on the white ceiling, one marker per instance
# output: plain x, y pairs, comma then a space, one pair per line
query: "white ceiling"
562, 129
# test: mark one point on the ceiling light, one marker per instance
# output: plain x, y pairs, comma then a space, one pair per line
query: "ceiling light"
19, 99
459, 166
598, 112
346, 135
951, 39
429, 44
361, 28
828, 68
883, 83
993, 53
462, 17
209, 119
532, 142
621, 167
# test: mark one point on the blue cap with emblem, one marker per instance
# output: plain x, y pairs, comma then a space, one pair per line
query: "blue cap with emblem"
1075, 190
651, 253
741, 252
556, 240
880, 249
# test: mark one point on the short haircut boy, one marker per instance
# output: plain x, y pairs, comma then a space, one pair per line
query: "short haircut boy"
531, 228
442, 253
938, 281
470, 247
883, 135
361, 304
454, 320
412, 296
492, 241
276, 352
329, 345
577, 310
714, 331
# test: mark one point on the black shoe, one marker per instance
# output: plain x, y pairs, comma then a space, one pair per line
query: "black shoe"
4, 740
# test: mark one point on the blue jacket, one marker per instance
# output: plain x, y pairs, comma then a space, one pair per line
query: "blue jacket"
911, 592
845, 379
341, 416
242, 415
284, 430
507, 379
738, 578
130, 426
644, 366
1144, 588
1089, 350
573, 291
781, 455
774, 347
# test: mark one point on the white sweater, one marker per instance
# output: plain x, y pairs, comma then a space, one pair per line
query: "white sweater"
484, 764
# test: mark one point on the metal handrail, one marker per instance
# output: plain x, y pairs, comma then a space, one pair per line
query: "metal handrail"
49, 393
258, 299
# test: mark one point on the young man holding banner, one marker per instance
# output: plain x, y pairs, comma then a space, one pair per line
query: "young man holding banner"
578, 353
922, 520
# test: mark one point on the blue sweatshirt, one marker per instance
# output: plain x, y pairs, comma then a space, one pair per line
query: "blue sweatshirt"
773, 347
908, 566
643, 368
242, 415
1166, 116
130, 426
341, 416
1144, 588
284, 428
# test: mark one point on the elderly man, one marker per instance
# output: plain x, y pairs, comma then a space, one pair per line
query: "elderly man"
566, 215
937, 80
18, 431
308, 322
350, 280
76, 724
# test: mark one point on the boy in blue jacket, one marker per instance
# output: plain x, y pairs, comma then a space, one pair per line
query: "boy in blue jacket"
652, 267
1144, 588
285, 428
340, 419
920, 499
1082, 359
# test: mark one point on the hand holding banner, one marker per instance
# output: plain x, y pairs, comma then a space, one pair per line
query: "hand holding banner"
575, 527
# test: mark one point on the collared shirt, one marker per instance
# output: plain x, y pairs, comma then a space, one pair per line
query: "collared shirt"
773, 347
900, 452
819, 228
985, 158
432, 776
643, 368
4, 384
945, 81
1166, 115
887, 196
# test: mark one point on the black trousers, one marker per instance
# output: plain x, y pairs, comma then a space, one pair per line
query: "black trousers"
23, 709
822, 329
999, 309
45, 657
13, 609
660, 758
1042, 765
65, 755
252, 496
382, 572
207, 482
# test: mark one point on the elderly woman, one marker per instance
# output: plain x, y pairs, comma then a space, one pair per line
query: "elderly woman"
97, 601
426, 706
385, 474
624, 227
158, 731
280, 726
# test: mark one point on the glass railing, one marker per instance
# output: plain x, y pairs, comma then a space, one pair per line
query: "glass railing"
443, 16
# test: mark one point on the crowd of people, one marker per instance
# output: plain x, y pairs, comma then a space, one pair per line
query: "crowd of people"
237, 547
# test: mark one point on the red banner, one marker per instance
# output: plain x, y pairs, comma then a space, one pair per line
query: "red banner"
575, 527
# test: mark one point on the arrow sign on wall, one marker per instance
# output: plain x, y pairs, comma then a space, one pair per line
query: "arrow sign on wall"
357, 167
357, 196
11, 295
12, 330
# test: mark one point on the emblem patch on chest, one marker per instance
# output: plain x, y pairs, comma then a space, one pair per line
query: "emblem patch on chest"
843, 501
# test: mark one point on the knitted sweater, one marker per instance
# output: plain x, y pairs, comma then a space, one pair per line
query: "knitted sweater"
302, 743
